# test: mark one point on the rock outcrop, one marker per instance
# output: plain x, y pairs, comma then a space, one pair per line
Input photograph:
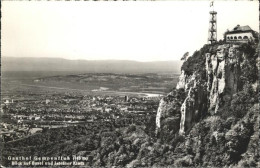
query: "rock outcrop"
169, 112
209, 79
223, 73
182, 82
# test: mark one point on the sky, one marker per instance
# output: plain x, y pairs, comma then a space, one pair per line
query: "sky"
140, 31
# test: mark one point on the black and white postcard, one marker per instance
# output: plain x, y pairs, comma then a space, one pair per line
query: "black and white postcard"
129, 84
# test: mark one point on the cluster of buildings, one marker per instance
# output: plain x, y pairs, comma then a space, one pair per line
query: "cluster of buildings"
23, 117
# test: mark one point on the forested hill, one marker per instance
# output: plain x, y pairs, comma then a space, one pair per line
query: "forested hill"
99, 66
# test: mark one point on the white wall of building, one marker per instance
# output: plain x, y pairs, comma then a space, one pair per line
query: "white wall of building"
237, 35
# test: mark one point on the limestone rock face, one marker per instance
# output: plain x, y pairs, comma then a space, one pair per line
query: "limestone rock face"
186, 111
168, 114
223, 71
208, 79
160, 109
181, 83
194, 106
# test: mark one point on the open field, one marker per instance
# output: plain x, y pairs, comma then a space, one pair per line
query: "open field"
89, 83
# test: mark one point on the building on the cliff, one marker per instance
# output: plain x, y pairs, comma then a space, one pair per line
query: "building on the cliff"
241, 34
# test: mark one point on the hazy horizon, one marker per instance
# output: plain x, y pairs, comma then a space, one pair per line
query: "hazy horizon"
139, 31
82, 59
100, 66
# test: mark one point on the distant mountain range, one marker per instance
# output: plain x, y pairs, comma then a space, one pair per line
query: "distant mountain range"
99, 66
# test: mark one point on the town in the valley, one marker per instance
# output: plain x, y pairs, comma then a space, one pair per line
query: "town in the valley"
28, 113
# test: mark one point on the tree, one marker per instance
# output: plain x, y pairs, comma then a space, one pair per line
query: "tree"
225, 34
184, 57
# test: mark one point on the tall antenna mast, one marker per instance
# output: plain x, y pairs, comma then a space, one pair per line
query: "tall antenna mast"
212, 36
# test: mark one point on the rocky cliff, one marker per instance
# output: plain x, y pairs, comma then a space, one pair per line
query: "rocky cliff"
211, 118
209, 80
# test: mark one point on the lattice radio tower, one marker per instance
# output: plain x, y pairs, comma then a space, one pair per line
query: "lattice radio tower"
212, 25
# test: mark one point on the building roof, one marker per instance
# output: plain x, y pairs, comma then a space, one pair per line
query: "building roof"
240, 29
